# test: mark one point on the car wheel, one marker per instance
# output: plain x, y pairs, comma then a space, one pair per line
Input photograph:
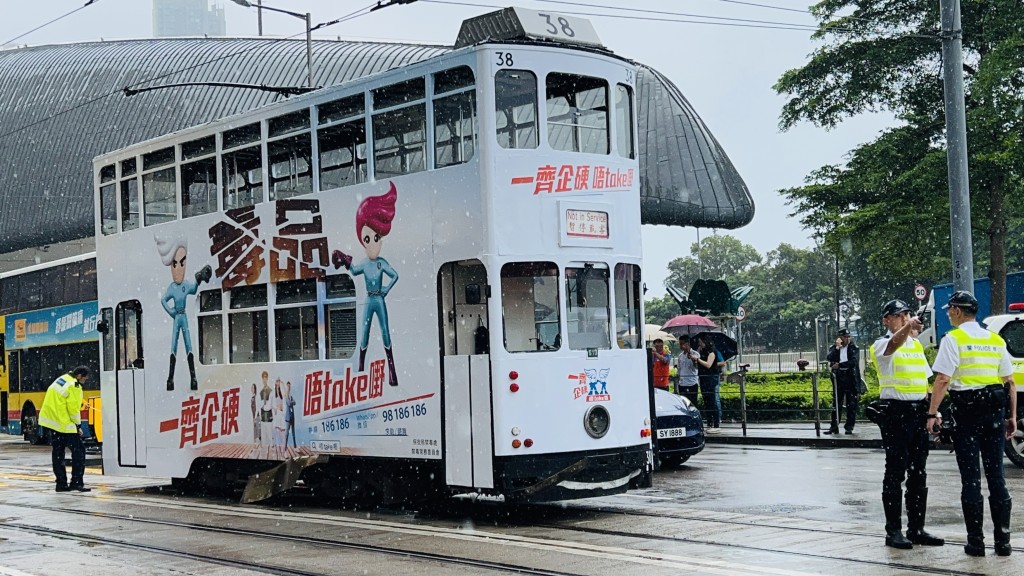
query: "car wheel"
1015, 446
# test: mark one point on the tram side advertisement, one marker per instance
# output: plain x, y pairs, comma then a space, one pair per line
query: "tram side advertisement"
367, 400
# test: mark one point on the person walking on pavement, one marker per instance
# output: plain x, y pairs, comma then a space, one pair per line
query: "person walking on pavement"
686, 366
662, 364
844, 358
974, 365
903, 374
62, 415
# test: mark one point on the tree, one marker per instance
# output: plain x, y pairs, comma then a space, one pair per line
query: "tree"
885, 54
660, 310
721, 257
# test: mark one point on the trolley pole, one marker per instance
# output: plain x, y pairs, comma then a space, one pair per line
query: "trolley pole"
956, 146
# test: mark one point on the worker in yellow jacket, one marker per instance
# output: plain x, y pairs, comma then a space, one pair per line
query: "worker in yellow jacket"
62, 414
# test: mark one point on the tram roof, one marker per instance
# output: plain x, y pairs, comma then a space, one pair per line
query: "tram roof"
61, 106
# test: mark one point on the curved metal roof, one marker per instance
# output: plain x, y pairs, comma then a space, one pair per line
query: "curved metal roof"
61, 105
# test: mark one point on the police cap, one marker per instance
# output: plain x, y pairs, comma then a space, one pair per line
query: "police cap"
963, 299
893, 307
843, 332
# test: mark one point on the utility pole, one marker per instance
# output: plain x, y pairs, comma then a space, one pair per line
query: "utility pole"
956, 146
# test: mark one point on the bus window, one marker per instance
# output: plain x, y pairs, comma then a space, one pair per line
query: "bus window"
515, 106
159, 188
586, 307
247, 327
340, 316
529, 303
455, 127
211, 328
290, 155
624, 121
577, 113
198, 177
295, 323
628, 327
129, 187
108, 201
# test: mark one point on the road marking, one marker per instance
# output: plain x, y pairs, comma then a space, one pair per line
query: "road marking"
4, 571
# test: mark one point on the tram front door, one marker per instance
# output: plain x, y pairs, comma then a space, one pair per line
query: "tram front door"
466, 371
131, 385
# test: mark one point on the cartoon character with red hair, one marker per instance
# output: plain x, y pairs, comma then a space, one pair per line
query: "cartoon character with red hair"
373, 223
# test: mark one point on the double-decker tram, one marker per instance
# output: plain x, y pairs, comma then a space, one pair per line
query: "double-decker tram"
423, 281
48, 319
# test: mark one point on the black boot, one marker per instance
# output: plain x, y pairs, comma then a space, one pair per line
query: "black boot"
392, 375
893, 507
1001, 519
362, 358
192, 370
974, 519
916, 506
170, 374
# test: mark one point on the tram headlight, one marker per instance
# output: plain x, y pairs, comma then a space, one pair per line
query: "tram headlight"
597, 421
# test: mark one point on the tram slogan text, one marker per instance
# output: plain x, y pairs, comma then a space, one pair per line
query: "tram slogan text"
576, 178
324, 394
206, 418
297, 251
591, 384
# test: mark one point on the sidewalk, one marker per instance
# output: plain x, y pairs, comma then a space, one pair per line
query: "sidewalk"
802, 433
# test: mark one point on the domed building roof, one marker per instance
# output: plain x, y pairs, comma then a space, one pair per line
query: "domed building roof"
62, 105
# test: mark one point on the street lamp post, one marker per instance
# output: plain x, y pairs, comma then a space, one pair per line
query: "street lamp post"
309, 31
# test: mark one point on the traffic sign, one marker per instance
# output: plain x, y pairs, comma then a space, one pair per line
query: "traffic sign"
741, 314
920, 292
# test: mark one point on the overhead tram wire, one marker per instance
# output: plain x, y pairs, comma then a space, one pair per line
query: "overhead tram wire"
725, 21
120, 91
44, 25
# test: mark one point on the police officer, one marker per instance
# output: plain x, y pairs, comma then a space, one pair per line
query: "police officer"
62, 414
975, 365
903, 381
844, 358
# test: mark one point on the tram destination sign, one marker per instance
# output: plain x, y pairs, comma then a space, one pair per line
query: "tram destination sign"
524, 24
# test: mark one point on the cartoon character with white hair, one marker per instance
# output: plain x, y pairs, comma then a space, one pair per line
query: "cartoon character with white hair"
173, 252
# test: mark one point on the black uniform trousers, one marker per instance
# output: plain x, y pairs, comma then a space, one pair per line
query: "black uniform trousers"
980, 430
906, 450
845, 395
60, 442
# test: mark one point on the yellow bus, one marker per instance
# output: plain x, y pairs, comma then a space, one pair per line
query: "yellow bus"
48, 317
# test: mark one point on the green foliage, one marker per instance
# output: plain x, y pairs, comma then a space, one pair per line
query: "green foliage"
660, 310
722, 257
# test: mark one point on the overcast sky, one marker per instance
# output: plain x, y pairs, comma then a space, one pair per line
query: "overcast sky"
725, 71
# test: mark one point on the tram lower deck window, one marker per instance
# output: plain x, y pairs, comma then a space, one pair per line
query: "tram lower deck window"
587, 308
530, 307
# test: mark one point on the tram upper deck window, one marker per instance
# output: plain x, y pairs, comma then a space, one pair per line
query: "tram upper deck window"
242, 167
530, 308
340, 312
108, 200
198, 177
515, 106
159, 187
341, 142
247, 325
628, 327
455, 126
295, 321
577, 113
290, 155
587, 307
400, 131
624, 121
129, 187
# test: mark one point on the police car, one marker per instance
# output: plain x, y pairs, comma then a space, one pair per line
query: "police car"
1011, 328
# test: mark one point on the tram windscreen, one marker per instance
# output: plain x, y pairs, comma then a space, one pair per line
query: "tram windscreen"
586, 307
530, 311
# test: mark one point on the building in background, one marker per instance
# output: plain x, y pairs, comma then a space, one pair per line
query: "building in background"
187, 18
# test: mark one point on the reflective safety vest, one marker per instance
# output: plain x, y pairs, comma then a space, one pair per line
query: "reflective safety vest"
1018, 371
909, 369
62, 405
979, 359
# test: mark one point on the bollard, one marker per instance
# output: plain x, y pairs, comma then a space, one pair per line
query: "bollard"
743, 399
817, 415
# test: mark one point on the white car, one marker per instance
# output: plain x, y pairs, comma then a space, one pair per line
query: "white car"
1011, 328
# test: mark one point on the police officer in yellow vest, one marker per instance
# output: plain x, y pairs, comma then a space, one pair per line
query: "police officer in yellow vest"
974, 364
903, 382
62, 414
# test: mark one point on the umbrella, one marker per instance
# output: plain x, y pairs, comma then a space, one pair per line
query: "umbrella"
725, 345
688, 324
652, 332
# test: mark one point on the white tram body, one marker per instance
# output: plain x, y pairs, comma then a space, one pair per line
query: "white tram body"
494, 279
